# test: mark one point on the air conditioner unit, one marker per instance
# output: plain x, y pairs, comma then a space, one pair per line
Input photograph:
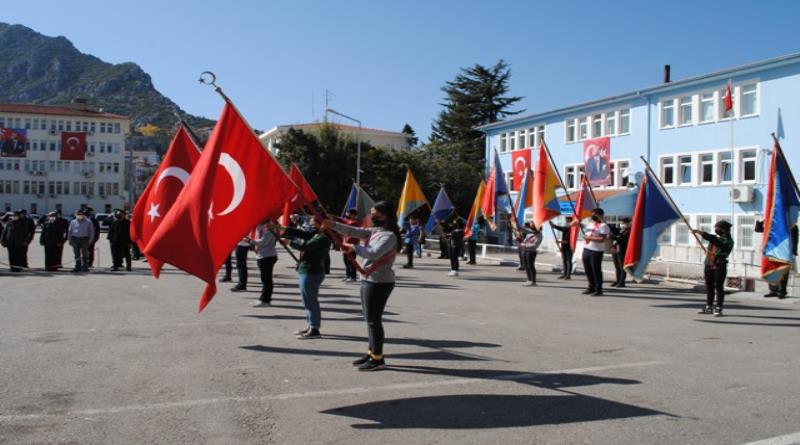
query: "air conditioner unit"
741, 193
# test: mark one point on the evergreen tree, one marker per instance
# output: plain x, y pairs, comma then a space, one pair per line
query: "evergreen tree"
413, 140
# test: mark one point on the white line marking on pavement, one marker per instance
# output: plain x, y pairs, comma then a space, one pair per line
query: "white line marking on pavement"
788, 439
301, 395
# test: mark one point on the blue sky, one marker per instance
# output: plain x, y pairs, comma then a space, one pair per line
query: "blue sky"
385, 62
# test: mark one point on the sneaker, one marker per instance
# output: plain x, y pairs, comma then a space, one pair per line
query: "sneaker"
453, 273
717, 311
262, 304
225, 280
310, 335
614, 284
598, 294
373, 365
301, 332
781, 296
620, 285
568, 277
238, 288
705, 310
407, 266
588, 291
520, 268
361, 360
528, 283
771, 294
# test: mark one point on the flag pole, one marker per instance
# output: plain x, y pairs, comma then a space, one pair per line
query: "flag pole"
561, 182
780, 153
672, 203
192, 135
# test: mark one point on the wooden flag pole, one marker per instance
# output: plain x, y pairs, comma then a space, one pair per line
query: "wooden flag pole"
672, 203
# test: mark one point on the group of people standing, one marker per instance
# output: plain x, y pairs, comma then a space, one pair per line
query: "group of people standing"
81, 233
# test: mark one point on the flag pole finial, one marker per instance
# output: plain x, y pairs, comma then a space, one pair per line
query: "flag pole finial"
209, 78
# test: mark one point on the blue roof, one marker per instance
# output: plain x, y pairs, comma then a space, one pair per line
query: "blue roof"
642, 93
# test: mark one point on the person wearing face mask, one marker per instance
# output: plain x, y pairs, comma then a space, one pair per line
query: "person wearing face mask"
15, 238
313, 246
53, 237
119, 239
593, 251
81, 233
619, 242
379, 251
566, 249
720, 245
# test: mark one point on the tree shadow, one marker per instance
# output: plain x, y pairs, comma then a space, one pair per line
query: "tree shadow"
485, 411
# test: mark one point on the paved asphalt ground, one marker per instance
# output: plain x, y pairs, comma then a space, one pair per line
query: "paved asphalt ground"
122, 358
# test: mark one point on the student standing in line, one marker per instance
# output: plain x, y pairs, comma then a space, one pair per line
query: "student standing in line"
455, 242
619, 240
266, 257
378, 253
410, 239
472, 241
720, 245
351, 219
593, 252
566, 249
531, 240
313, 245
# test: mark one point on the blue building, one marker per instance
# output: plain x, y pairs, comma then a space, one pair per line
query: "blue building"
714, 164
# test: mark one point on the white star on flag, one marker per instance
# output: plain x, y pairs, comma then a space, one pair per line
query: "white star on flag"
153, 213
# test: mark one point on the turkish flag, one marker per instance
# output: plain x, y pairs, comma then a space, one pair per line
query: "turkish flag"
727, 99
522, 162
162, 190
73, 146
305, 188
235, 185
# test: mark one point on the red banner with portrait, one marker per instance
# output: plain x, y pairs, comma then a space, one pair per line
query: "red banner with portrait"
12, 142
597, 161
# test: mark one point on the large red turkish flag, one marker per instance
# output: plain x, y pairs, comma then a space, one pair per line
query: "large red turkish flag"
162, 190
73, 146
235, 185
522, 162
297, 176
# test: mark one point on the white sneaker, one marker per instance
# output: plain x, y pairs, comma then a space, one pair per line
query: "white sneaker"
453, 273
261, 304
528, 283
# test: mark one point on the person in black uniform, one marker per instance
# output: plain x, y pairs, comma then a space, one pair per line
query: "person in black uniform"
779, 289
15, 237
89, 212
455, 241
720, 246
619, 241
566, 249
53, 237
23, 214
119, 238
444, 232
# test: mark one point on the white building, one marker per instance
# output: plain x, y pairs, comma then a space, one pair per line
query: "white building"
40, 182
372, 136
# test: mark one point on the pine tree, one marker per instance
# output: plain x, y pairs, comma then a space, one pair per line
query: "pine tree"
413, 140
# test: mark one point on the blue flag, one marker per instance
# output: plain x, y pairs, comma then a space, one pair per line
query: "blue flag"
442, 208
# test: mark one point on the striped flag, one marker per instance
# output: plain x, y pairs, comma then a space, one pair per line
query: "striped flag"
781, 208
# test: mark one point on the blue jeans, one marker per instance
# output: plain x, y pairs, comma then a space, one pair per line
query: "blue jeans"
309, 292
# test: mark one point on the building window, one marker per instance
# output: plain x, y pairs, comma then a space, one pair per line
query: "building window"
569, 176
706, 107
746, 232
668, 171
612, 174
749, 100
583, 128
686, 106
682, 235
668, 113
580, 173
597, 125
611, 123
92, 126
725, 167
666, 236
707, 168
27, 123
43, 125
531, 137
117, 128
748, 162
685, 163
509, 179
539, 135
512, 141
69, 125
625, 121
521, 139
502, 142
570, 137
622, 168
102, 127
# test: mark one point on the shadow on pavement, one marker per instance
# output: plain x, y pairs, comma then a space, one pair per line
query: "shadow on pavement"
746, 323
425, 343
439, 355
728, 305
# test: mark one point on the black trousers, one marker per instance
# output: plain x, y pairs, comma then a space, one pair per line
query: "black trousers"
228, 267
373, 301
91, 253
715, 284
241, 264
120, 251
266, 266
18, 258
445, 251
454, 258
472, 246
521, 257
328, 263
780, 287
619, 263
592, 264
529, 260
409, 255
52, 256
566, 262
349, 269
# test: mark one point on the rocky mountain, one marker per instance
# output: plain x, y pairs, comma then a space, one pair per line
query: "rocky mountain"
49, 70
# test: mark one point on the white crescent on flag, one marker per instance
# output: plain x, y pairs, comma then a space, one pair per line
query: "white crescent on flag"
239, 182
73, 145
522, 168
176, 172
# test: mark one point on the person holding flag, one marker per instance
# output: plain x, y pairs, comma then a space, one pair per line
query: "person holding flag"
593, 252
411, 234
531, 240
382, 242
720, 245
351, 219
565, 246
475, 221
619, 240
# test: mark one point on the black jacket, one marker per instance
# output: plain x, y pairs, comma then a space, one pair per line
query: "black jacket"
53, 233
16, 234
620, 237
119, 231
